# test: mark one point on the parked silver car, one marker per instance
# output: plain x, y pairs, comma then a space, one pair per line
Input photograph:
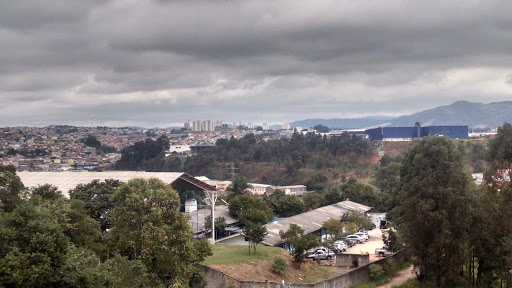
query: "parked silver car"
356, 238
321, 255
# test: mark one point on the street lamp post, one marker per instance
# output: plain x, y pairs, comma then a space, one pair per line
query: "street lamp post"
212, 197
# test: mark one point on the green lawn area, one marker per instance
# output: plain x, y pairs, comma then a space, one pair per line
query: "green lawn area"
235, 261
236, 254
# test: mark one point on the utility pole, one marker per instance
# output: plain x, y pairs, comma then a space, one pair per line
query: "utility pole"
211, 195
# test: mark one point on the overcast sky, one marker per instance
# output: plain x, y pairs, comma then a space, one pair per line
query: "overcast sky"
161, 62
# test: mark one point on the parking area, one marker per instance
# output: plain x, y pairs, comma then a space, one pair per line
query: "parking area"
374, 242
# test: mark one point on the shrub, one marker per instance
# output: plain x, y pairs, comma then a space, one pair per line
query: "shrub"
279, 266
376, 271
390, 267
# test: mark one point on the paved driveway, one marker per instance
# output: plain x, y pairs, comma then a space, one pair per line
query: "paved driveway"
369, 246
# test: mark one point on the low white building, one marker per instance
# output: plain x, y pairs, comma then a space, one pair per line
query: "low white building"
291, 190
181, 149
258, 189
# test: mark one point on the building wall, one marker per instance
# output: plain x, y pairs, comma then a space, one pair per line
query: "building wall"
352, 260
258, 189
375, 134
179, 148
408, 133
452, 132
400, 132
238, 240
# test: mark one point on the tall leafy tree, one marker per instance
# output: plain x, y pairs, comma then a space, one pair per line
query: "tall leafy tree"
147, 225
238, 186
255, 233
333, 226
434, 209
500, 158
46, 192
239, 207
491, 226
96, 196
283, 205
33, 248
387, 179
92, 141
134, 157
253, 212
359, 219
10, 188
300, 242
313, 201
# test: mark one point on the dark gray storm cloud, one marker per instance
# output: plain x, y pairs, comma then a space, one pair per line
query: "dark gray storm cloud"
155, 62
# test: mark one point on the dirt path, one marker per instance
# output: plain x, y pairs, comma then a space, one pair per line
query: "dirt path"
402, 277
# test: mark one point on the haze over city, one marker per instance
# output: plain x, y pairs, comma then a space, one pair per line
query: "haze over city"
160, 63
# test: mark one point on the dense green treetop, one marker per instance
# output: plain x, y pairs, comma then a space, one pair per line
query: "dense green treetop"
321, 128
434, 208
50, 241
10, 188
134, 157
147, 225
239, 186
96, 197
500, 156
297, 152
251, 208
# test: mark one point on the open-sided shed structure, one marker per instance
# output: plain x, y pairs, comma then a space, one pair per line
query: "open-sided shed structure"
66, 181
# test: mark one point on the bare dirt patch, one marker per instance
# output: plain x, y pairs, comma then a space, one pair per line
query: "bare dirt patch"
402, 277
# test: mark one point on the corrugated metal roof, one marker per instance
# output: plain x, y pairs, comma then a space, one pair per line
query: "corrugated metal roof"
354, 206
66, 181
311, 221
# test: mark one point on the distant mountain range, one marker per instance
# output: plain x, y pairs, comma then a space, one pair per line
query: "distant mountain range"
475, 115
340, 123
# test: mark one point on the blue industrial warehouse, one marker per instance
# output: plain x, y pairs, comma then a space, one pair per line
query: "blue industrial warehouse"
389, 133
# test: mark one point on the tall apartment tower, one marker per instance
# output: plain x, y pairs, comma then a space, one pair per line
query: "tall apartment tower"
196, 126
250, 126
265, 127
187, 125
209, 126
285, 126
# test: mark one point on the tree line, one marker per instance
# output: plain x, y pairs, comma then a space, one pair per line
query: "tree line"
310, 150
459, 234
108, 234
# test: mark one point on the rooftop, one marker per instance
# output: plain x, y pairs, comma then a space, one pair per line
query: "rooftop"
68, 180
312, 220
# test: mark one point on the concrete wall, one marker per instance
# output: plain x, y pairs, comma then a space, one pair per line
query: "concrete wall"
233, 240
352, 260
217, 279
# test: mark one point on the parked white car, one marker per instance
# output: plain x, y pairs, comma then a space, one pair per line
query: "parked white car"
313, 250
363, 235
342, 244
356, 238
338, 247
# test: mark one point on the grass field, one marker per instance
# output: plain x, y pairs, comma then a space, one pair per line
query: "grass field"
236, 254
236, 262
